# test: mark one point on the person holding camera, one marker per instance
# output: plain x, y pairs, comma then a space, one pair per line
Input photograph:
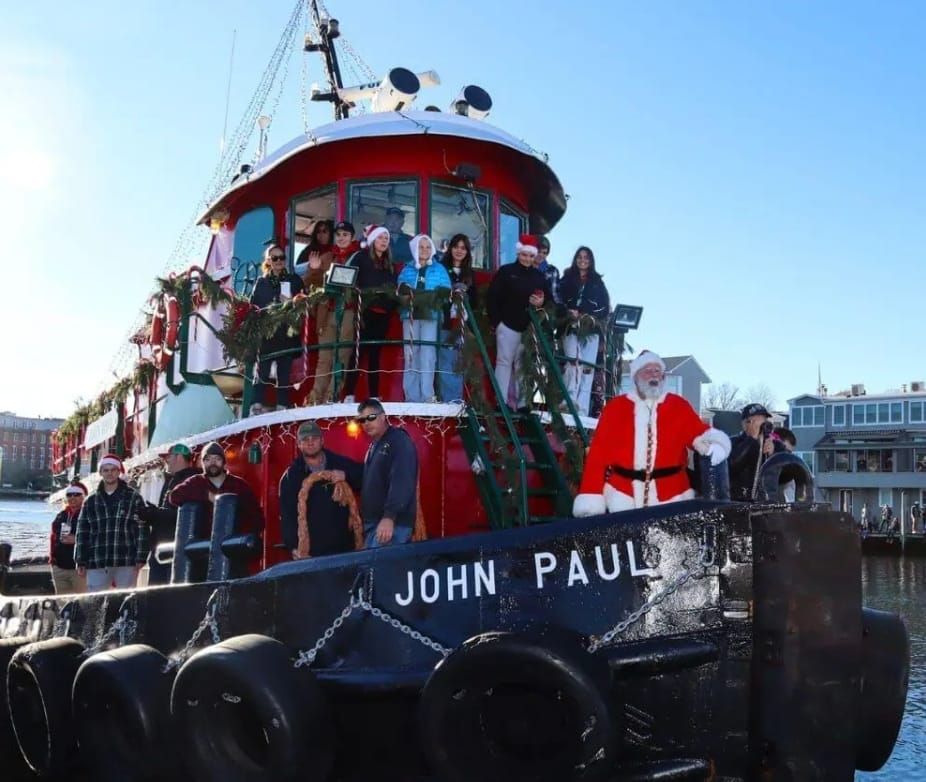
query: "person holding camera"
749, 449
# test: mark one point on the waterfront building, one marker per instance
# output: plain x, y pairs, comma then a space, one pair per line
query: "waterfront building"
25, 450
684, 376
865, 448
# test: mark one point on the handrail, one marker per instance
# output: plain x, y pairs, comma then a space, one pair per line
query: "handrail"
503, 409
552, 367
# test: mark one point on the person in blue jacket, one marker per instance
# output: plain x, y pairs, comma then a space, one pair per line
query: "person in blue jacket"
420, 321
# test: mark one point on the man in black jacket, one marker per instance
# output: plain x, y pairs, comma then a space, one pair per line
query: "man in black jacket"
388, 502
328, 521
749, 449
63, 534
514, 288
178, 463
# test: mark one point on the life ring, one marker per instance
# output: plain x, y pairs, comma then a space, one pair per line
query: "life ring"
242, 711
121, 713
508, 707
165, 330
39, 680
883, 687
14, 767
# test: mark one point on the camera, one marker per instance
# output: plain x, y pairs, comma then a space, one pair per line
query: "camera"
766, 429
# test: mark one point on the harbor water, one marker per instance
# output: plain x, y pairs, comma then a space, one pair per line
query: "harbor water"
889, 583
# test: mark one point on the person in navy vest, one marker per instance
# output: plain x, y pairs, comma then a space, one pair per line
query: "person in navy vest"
63, 535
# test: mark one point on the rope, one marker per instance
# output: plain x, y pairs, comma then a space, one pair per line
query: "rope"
342, 494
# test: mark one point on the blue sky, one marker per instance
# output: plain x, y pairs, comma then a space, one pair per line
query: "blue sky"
752, 173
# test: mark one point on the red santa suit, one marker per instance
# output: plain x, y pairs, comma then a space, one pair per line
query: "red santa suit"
639, 454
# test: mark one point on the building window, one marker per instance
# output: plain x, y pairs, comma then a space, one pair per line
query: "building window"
306, 212
874, 460
916, 412
392, 204
511, 224
919, 459
810, 415
457, 210
896, 412
808, 458
842, 462
885, 497
877, 413
839, 415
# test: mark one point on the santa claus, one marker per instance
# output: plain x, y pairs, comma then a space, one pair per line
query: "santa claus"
639, 453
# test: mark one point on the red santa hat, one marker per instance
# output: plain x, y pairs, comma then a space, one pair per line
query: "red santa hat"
528, 244
371, 232
110, 460
75, 488
645, 357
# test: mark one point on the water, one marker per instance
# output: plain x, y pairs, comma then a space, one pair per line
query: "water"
889, 583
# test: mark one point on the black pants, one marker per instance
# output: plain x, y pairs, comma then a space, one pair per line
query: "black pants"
373, 327
284, 364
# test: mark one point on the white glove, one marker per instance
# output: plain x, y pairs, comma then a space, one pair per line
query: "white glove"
717, 454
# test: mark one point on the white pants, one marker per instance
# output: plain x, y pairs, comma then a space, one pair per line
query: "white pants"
99, 579
420, 360
508, 352
578, 377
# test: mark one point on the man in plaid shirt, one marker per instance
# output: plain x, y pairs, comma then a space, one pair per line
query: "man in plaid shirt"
112, 545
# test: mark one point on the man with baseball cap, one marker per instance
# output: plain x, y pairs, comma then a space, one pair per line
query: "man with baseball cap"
111, 545
328, 520
749, 449
399, 242
162, 517
63, 534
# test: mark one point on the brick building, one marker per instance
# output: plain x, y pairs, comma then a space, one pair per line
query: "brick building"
25, 449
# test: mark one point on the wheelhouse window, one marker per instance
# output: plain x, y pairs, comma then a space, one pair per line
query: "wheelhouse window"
511, 224
252, 232
458, 210
392, 204
307, 211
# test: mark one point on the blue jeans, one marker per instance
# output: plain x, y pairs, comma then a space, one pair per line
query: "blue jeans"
400, 534
450, 372
418, 378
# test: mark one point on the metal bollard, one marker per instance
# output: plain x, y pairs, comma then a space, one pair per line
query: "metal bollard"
223, 526
187, 524
715, 481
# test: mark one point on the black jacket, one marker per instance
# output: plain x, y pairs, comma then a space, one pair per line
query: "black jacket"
589, 299
743, 459
266, 293
329, 532
62, 554
509, 291
390, 480
163, 517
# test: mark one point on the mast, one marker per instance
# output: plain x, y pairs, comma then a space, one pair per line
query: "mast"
328, 30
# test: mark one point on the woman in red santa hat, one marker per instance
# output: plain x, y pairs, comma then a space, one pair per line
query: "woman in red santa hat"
639, 453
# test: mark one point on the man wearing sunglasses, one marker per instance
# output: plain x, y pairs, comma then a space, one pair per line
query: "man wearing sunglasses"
388, 503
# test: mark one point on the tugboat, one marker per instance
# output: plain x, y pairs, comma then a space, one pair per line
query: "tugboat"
698, 640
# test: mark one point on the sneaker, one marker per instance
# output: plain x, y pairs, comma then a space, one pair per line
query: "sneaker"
349, 400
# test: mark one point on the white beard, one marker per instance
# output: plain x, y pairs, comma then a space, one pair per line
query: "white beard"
650, 390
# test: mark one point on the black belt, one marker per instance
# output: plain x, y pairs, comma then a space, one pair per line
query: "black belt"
640, 475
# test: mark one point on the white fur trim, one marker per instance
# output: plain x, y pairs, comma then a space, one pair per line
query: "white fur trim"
616, 500
645, 357
712, 437
374, 234
588, 505
526, 248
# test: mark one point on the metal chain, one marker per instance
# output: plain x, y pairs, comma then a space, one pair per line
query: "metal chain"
124, 627
208, 622
705, 559
307, 656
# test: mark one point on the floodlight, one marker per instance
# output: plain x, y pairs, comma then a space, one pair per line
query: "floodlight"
627, 316
341, 275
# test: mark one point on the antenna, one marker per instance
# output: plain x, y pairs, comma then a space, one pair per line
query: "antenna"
231, 62
328, 30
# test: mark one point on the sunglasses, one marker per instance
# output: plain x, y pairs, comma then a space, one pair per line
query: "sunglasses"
277, 257
365, 419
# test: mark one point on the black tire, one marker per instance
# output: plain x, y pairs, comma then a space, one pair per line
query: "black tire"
513, 708
245, 714
13, 765
39, 680
883, 687
122, 715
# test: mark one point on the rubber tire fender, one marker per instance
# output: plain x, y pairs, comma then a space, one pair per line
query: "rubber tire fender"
883, 687
508, 707
243, 713
122, 714
14, 766
39, 680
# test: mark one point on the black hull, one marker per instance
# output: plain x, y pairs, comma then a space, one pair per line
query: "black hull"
754, 651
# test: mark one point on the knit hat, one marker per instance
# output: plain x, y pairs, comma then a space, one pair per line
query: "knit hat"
179, 449
214, 449
110, 460
645, 357
371, 232
413, 246
75, 488
527, 244
308, 429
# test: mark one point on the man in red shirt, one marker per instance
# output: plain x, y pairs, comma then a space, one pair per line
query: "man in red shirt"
213, 481
639, 454
63, 535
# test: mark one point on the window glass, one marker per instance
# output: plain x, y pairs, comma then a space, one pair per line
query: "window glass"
392, 204
883, 413
886, 460
252, 233
916, 412
896, 412
858, 414
818, 416
807, 456
796, 419
839, 415
457, 210
919, 459
307, 210
884, 497
842, 461
511, 224
871, 414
